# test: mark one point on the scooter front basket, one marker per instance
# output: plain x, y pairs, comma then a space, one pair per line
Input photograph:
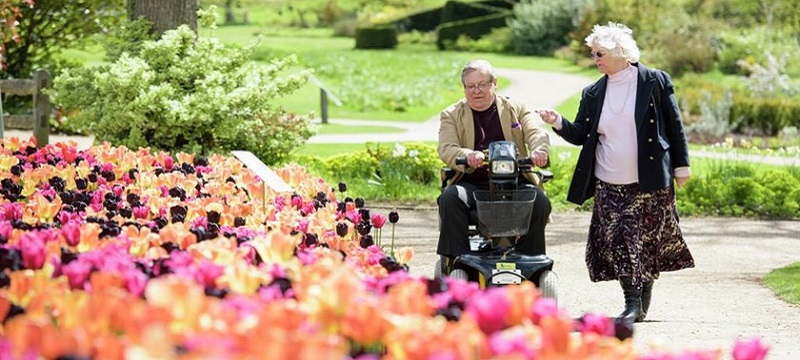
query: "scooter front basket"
504, 213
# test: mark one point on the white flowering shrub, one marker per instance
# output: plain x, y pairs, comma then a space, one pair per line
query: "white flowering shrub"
184, 93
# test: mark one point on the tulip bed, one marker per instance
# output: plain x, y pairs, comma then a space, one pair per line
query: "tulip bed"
110, 253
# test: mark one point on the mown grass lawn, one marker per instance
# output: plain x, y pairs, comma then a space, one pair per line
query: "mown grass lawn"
785, 282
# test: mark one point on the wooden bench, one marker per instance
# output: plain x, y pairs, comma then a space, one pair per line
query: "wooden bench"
39, 119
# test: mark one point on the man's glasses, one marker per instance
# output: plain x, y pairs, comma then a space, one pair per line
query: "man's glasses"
479, 86
596, 54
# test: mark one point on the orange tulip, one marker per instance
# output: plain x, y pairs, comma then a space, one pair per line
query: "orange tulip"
364, 321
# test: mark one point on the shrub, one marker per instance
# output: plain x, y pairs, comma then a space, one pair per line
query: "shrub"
540, 26
449, 32
752, 46
183, 93
782, 204
683, 44
499, 40
714, 121
766, 116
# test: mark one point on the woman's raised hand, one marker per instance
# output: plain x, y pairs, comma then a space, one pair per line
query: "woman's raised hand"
549, 116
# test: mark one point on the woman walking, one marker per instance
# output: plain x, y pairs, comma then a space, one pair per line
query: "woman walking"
634, 151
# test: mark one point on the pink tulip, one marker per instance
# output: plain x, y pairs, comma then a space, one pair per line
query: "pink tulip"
207, 273
309, 208
279, 202
11, 211
596, 324
141, 212
752, 349
544, 307
77, 272
168, 163
503, 343
489, 309
297, 202
200, 222
302, 225
135, 282
6, 229
353, 216
72, 233
378, 220
31, 244
65, 217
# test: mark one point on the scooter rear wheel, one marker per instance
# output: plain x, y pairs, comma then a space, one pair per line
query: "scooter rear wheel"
437, 269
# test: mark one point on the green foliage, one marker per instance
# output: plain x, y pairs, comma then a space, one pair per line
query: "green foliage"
541, 26
474, 28
740, 49
357, 165
739, 189
408, 171
53, 25
683, 44
128, 37
499, 40
714, 122
183, 93
767, 116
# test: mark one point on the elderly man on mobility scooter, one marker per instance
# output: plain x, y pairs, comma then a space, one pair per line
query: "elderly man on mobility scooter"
469, 130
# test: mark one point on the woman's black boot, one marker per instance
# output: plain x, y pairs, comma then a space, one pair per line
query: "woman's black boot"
647, 292
633, 301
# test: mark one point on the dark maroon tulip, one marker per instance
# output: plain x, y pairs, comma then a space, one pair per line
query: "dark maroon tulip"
341, 229
366, 241
394, 217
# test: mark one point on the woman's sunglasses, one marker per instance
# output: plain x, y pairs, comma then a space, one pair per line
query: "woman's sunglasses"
596, 54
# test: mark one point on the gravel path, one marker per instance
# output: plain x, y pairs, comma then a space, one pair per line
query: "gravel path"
707, 307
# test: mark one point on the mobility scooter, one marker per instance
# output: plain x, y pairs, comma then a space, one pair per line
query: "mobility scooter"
502, 216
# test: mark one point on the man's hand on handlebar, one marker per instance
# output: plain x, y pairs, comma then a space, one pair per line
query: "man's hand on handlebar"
539, 158
475, 159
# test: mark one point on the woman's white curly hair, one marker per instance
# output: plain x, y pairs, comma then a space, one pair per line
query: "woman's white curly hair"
615, 38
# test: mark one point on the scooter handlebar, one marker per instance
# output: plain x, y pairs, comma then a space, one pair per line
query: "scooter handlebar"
525, 162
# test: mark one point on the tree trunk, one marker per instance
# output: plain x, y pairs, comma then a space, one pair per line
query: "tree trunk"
230, 18
165, 14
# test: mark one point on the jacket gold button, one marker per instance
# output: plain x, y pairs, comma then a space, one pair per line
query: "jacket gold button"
587, 119
652, 121
651, 104
651, 158
650, 140
588, 135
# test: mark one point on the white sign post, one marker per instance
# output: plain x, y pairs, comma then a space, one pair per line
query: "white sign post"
267, 176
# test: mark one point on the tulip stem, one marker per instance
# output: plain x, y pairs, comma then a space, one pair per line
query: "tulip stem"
392, 247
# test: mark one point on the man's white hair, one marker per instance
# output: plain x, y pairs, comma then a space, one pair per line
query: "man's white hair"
483, 66
615, 38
